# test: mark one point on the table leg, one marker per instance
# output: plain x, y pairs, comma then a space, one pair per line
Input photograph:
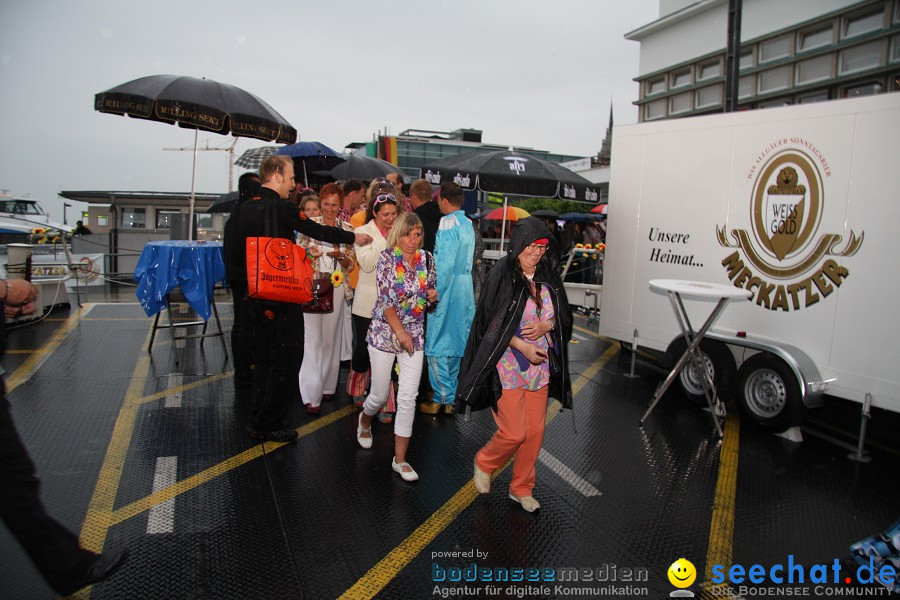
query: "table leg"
689, 353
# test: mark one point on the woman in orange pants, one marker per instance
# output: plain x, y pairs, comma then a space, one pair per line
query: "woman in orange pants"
516, 357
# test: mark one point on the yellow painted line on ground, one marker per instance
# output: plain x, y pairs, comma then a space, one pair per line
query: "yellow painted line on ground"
721, 528
40, 355
184, 388
194, 481
21, 351
590, 332
99, 515
370, 584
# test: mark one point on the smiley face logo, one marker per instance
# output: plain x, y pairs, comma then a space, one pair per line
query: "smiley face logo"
682, 573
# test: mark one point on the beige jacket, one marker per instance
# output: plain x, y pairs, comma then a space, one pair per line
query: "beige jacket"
367, 258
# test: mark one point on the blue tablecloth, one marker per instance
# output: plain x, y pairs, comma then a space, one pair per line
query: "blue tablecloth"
196, 267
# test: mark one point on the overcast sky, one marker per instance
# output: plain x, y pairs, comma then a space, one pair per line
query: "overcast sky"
528, 73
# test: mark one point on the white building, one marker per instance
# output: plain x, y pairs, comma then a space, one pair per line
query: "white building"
792, 51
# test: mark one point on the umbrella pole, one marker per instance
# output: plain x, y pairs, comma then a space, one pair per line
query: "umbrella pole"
305, 180
503, 227
193, 179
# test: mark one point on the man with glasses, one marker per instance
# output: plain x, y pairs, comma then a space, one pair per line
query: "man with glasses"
276, 327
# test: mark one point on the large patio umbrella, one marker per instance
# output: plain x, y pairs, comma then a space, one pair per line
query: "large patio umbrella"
510, 173
362, 167
198, 104
312, 156
254, 157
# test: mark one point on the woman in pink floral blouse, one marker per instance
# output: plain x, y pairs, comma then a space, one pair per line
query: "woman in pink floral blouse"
405, 282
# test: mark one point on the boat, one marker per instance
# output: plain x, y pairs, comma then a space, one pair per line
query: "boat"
23, 220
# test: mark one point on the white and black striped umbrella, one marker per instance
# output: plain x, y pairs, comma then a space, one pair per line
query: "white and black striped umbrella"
254, 157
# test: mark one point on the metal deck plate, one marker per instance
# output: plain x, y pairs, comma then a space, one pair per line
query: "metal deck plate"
322, 517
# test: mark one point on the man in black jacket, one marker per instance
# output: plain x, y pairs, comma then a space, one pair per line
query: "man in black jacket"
241, 342
276, 327
420, 193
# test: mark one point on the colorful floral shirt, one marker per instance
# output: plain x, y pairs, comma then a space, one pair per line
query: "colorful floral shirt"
404, 294
514, 369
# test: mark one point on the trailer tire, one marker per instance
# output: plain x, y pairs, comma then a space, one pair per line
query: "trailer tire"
691, 381
769, 394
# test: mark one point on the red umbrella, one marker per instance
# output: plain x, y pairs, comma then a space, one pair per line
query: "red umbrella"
600, 209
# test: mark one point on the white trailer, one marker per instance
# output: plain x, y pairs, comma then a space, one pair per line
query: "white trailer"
801, 206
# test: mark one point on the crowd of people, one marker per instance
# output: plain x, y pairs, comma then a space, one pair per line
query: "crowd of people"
404, 315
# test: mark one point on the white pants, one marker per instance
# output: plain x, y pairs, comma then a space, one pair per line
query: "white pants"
347, 343
410, 374
323, 335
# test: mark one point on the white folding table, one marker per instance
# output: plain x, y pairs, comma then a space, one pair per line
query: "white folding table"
676, 289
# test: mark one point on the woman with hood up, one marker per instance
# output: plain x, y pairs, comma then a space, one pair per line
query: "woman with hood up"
516, 356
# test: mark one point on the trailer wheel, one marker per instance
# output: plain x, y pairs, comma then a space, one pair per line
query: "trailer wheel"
691, 380
769, 393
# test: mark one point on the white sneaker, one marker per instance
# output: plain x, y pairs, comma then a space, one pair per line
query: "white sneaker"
407, 475
365, 442
482, 480
527, 502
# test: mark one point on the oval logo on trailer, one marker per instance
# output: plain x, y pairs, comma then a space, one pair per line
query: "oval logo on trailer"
787, 206
784, 243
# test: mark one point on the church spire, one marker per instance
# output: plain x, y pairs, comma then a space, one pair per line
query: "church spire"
604, 157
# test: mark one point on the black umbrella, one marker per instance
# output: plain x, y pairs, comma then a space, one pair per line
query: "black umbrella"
547, 214
511, 173
198, 104
579, 217
362, 167
312, 156
224, 203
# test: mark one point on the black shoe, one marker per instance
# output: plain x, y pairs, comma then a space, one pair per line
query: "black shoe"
280, 435
105, 565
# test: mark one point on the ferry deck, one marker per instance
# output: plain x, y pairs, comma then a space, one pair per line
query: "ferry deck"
135, 450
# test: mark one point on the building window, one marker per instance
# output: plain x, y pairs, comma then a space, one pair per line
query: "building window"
745, 86
778, 78
895, 47
164, 218
656, 86
815, 38
814, 69
681, 78
859, 58
102, 220
710, 95
814, 97
680, 103
204, 220
709, 70
774, 49
654, 110
862, 23
775, 103
134, 218
867, 89
746, 61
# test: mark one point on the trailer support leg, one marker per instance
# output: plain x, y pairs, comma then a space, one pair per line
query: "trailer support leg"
634, 346
861, 455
